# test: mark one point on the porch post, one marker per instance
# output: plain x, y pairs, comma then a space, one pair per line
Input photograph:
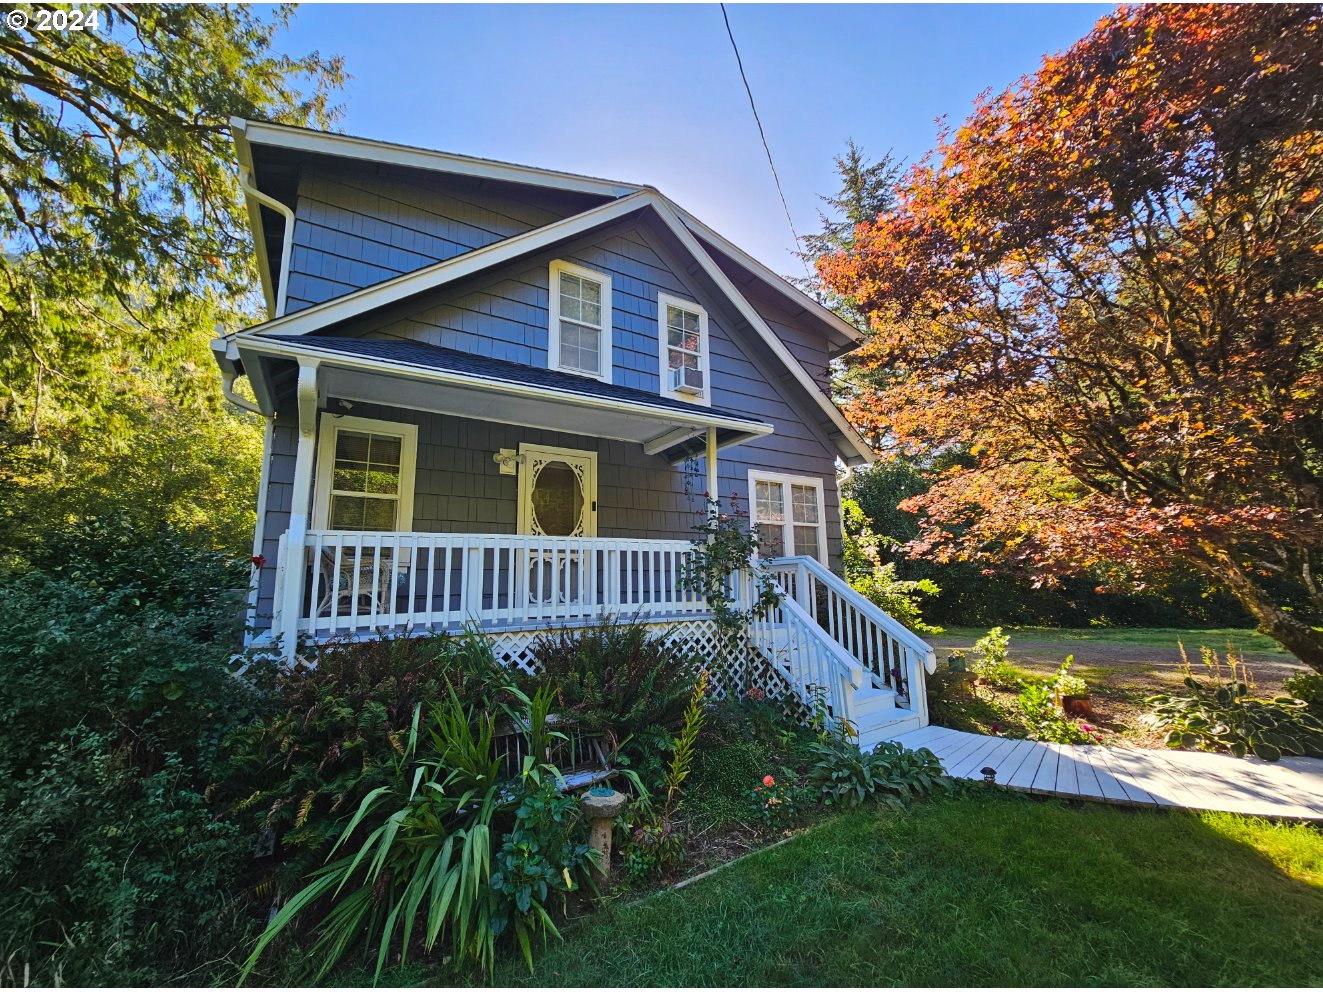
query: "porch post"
712, 464
292, 606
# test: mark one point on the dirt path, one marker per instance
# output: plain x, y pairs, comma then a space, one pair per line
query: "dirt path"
1148, 663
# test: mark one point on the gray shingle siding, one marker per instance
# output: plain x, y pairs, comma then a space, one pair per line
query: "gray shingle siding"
355, 226
503, 314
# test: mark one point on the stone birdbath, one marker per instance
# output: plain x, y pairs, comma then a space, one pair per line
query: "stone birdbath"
602, 805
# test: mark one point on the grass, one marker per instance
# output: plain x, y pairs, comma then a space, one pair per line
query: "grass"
979, 889
1161, 638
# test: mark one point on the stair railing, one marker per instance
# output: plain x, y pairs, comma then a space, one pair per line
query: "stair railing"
819, 670
890, 652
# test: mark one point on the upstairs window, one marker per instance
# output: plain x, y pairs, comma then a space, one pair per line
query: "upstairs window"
580, 332
365, 475
682, 332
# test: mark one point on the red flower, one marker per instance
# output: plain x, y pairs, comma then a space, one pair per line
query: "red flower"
769, 781
996, 728
259, 561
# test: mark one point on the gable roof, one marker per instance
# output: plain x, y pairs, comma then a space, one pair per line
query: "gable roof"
248, 133
625, 199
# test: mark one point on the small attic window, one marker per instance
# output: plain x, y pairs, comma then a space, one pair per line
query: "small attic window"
579, 332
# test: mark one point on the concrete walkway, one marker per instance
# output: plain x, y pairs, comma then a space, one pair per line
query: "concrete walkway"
1288, 789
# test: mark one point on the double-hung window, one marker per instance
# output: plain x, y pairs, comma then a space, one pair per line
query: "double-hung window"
580, 311
788, 510
365, 475
682, 332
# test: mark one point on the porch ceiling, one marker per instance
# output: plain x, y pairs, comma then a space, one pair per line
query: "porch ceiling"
418, 376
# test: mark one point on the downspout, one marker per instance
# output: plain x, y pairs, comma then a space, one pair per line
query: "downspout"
287, 247
228, 377
259, 528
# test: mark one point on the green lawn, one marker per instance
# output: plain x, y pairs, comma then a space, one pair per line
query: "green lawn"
982, 889
1161, 638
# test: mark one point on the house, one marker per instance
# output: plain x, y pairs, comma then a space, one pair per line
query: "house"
499, 395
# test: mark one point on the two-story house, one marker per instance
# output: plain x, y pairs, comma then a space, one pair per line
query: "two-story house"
499, 395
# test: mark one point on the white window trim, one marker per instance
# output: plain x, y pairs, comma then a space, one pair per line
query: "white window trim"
663, 357
408, 435
786, 481
553, 323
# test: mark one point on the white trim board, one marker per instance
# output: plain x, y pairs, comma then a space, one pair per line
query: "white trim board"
699, 417
786, 481
606, 330
664, 301
402, 287
313, 142
408, 435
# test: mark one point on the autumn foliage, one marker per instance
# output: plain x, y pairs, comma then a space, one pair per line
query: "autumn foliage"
1108, 284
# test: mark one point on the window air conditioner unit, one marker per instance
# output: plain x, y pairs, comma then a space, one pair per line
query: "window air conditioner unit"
685, 380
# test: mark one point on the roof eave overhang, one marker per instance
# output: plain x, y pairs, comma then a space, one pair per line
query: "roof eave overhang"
661, 430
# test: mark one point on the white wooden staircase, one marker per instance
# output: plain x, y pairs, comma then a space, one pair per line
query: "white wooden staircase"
836, 649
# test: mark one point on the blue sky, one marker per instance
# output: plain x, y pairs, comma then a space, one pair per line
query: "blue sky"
651, 94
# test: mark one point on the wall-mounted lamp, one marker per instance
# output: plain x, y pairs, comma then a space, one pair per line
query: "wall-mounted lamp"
508, 460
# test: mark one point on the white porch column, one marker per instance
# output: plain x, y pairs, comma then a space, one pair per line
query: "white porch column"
712, 463
292, 595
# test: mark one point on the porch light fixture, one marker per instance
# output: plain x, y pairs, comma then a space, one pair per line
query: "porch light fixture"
509, 461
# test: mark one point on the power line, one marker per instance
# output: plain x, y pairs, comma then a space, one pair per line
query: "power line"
763, 134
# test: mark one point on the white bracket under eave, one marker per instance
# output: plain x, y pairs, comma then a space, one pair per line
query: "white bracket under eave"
307, 395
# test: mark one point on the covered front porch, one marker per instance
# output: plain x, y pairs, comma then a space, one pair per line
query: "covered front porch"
364, 582
511, 531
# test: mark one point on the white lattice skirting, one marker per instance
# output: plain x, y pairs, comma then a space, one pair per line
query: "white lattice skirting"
733, 670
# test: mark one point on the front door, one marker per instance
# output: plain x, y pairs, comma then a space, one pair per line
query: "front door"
557, 498
557, 492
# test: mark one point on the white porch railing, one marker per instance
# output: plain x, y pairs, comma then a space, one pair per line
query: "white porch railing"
815, 666
359, 582
893, 654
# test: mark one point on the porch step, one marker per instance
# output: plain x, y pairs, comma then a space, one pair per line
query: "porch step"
873, 704
903, 722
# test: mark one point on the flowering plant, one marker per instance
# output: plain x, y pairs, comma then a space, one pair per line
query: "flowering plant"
775, 802
727, 547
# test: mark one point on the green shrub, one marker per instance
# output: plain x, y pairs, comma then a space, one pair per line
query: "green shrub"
116, 694
1220, 714
656, 842
1044, 720
419, 852
718, 790
846, 776
779, 801
1308, 688
1066, 684
117, 876
991, 663
337, 728
621, 679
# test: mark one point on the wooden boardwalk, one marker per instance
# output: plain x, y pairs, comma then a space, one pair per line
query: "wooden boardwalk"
1289, 789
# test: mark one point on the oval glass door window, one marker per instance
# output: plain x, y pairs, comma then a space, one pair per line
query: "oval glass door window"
557, 501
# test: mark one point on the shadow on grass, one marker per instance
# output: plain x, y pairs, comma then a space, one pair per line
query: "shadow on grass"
984, 888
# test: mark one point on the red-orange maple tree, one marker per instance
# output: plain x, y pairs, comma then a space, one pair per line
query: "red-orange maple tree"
1109, 283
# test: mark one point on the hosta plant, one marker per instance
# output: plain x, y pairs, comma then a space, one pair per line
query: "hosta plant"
846, 776
1214, 716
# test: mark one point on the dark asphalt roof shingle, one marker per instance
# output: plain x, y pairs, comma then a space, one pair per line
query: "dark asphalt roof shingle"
431, 356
